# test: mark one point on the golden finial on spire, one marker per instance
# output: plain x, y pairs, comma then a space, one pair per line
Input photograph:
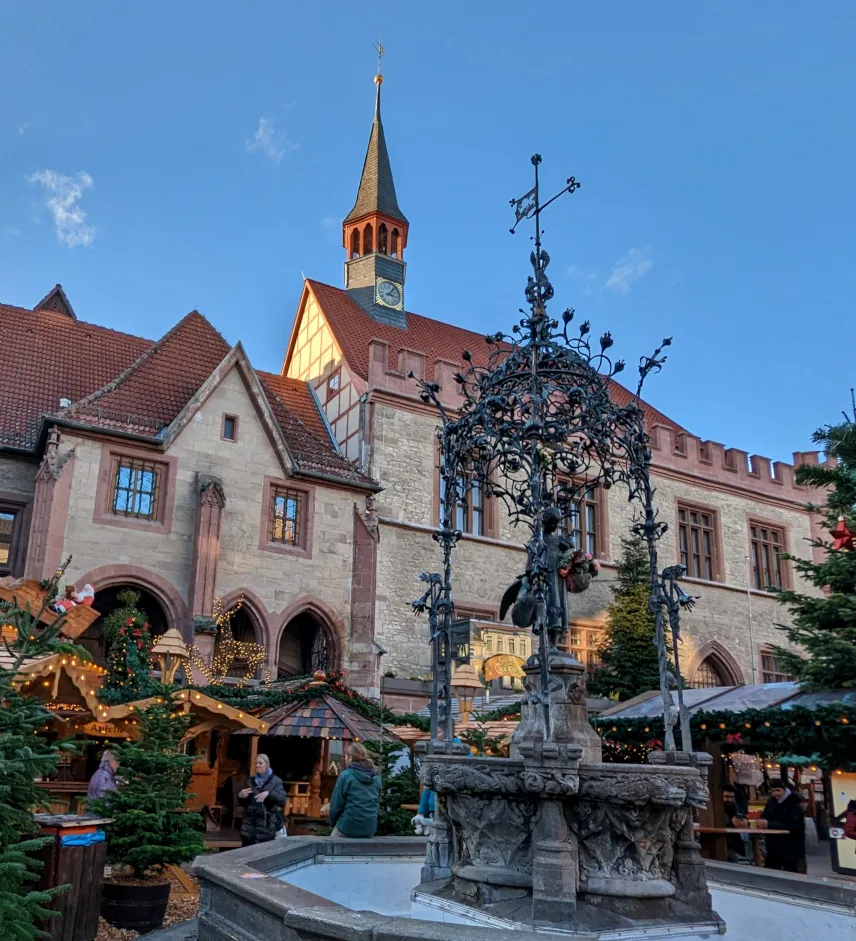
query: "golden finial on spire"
378, 79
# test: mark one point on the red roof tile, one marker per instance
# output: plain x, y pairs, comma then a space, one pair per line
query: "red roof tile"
354, 329
115, 380
298, 398
47, 356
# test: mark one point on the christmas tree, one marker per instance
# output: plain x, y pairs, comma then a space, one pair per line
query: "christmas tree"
399, 787
150, 828
126, 631
24, 756
824, 625
628, 654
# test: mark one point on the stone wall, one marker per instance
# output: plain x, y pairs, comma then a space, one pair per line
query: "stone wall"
17, 477
404, 462
276, 583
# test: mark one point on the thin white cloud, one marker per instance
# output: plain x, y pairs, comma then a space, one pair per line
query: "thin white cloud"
24, 127
63, 195
269, 141
331, 222
586, 277
10, 232
633, 266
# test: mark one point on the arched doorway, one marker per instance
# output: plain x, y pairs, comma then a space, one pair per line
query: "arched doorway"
708, 675
106, 602
244, 632
304, 647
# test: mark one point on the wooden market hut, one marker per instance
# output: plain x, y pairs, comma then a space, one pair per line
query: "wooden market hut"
306, 740
207, 739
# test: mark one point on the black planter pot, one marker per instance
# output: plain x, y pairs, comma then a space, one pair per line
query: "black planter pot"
139, 907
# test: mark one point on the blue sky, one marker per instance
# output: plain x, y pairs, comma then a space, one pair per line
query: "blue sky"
203, 155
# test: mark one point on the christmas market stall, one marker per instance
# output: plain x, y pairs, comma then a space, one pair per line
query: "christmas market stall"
67, 687
307, 736
756, 734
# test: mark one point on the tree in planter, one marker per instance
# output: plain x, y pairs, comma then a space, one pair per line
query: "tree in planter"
25, 756
126, 632
150, 828
628, 654
399, 787
825, 626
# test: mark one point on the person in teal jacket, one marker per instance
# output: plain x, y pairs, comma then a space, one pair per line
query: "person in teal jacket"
356, 798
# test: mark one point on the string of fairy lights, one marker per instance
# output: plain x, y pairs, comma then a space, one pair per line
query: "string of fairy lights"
228, 651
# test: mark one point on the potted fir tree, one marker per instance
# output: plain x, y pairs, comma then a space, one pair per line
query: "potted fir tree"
150, 827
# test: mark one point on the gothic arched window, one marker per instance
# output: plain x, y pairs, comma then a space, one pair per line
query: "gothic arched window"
355, 243
381, 238
393, 248
708, 675
368, 239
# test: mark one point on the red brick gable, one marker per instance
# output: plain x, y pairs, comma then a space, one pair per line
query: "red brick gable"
354, 329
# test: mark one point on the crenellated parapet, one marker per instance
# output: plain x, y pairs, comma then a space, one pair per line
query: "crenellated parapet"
714, 463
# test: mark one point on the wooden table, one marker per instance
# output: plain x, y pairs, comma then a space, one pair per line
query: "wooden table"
720, 835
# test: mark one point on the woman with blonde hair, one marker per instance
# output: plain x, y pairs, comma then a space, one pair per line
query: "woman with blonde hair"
356, 798
265, 799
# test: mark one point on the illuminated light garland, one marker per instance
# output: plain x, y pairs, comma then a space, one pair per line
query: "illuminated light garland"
228, 650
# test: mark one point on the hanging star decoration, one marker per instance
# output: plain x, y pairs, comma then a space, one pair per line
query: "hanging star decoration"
228, 651
843, 538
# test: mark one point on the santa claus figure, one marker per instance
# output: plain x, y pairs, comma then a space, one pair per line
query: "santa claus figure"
85, 597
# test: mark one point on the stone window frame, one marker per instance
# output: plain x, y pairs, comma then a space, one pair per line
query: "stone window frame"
307, 518
765, 653
718, 569
601, 515
235, 419
785, 568
167, 465
489, 508
15, 503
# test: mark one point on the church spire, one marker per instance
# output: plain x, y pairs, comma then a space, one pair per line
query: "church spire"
375, 231
377, 188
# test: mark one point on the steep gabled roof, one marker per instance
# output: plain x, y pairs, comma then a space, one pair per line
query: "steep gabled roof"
47, 356
354, 329
57, 300
119, 382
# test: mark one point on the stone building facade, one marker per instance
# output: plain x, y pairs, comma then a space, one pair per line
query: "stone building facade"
177, 469
729, 513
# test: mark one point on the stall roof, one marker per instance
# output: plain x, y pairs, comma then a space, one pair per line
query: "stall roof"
84, 675
731, 699
323, 716
512, 698
206, 710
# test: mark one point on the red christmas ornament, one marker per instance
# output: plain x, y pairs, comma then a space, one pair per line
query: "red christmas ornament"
843, 538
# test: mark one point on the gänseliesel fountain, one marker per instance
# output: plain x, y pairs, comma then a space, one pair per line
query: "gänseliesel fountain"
552, 835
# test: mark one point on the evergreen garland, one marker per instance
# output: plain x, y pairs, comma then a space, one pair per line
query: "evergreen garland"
24, 756
126, 631
824, 626
150, 827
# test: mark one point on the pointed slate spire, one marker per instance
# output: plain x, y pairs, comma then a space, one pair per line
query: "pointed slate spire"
56, 300
377, 189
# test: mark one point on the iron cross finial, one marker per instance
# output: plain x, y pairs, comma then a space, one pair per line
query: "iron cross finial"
381, 52
529, 206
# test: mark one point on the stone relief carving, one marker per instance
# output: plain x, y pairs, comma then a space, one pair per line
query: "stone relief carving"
475, 778
626, 841
644, 786
492, 832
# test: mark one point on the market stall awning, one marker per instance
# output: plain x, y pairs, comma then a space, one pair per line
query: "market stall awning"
324, 716
208, 713
65, 684
724, 699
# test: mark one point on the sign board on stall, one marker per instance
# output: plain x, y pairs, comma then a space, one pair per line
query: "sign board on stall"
503, 664
104, 730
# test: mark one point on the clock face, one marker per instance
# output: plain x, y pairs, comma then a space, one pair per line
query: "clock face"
389, 293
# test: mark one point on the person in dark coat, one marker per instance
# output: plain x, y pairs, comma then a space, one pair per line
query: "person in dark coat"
265, 799
784, 812
355, 802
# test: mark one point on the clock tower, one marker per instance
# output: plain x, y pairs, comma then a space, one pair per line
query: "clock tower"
375, 234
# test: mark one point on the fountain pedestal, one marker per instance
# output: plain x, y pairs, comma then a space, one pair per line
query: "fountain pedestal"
560, 838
